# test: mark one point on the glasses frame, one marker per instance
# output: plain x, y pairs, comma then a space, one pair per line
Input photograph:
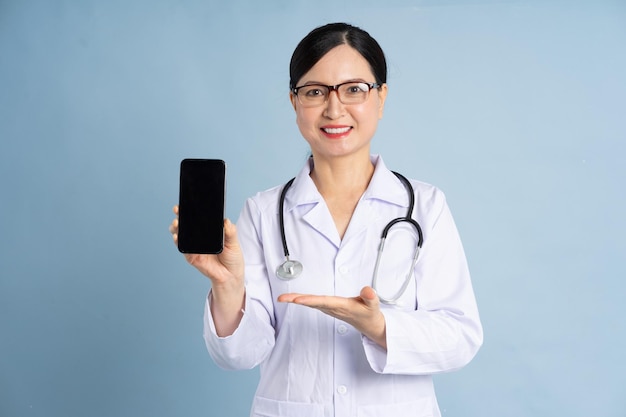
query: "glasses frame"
334, 88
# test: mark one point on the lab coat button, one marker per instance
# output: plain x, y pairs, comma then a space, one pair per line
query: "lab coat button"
342, 329
343, 270
342, 389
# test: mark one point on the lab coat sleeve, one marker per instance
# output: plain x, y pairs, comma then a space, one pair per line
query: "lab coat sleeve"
445, 332
254, 338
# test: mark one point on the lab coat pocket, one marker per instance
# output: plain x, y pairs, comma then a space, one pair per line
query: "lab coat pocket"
424, 407
266, 407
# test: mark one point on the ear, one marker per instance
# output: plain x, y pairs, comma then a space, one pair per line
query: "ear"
293, 99
382, 96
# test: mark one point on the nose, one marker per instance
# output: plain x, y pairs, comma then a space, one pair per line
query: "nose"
334, 107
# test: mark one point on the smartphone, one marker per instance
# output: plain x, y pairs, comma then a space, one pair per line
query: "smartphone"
201, 206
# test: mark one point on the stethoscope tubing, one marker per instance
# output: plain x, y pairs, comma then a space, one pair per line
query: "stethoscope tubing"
281, 217
291, 269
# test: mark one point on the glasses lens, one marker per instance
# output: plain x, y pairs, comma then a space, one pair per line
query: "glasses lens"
312, 95
349, 93
353, 93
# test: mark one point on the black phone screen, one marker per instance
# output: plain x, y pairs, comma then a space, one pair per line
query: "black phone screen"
201, 206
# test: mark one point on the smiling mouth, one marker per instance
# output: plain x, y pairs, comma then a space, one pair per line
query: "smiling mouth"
336, 130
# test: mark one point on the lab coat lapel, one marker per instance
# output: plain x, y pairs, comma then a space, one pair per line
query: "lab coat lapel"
382, 187
305, 194
320, 219
385, 186
362, 217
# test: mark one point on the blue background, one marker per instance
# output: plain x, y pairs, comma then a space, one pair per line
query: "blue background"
514, 108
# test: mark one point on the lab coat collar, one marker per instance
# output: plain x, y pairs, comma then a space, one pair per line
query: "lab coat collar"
384, 186
303, 190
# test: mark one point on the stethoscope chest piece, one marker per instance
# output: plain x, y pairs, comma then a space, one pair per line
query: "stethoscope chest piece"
289, 270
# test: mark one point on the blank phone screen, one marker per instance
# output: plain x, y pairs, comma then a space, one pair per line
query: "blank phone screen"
201, 206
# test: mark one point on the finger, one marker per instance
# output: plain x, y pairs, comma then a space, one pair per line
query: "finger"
230, 233
288, 297
174, 226
369, 297
315, 301
175, 209
320, 302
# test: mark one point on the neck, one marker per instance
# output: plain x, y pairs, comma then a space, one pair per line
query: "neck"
348, 177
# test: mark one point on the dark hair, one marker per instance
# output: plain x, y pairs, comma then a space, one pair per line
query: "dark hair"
324, 38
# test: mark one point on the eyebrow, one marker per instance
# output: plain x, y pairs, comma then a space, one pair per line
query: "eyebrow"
352, 80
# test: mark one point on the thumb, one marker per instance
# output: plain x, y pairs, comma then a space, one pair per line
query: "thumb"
230, 233
369, 297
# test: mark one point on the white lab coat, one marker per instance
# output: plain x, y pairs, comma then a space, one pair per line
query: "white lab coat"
313, 365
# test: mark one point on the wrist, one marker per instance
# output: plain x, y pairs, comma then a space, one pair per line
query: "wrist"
227, 309
378, 331
227, 292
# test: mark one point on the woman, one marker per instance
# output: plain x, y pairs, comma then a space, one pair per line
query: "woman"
326, 344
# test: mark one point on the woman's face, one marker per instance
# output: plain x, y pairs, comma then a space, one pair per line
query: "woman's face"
334, 129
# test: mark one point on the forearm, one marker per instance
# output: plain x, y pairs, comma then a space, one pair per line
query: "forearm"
227, 304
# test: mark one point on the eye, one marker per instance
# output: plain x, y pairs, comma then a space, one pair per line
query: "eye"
356, 88
313, 92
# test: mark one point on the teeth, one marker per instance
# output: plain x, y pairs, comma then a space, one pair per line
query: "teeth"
335, 131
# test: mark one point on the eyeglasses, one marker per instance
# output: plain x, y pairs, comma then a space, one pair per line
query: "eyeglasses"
351, 92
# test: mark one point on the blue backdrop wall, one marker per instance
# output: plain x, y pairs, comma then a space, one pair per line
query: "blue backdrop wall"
514, 108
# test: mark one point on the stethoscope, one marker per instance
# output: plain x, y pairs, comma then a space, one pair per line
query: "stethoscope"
291, 269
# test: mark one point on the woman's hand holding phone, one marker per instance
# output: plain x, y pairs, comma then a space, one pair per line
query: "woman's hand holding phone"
220, 268
226, 272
